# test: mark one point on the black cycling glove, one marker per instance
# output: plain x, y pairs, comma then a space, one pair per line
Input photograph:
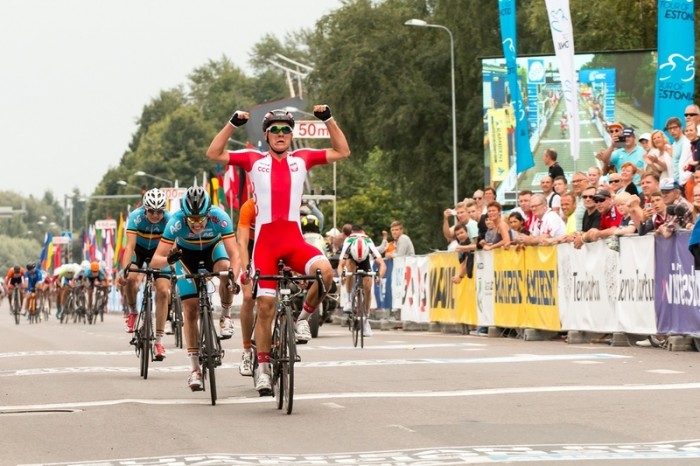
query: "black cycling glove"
325, 115
237, 121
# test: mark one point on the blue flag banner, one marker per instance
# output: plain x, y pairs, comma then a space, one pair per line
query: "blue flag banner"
675, 71
523, 153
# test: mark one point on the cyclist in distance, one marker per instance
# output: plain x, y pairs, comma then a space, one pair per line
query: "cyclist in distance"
144, 229
277, 179
199, 232
15, 277
245, 234
65, 279
33, 278
354, 256
94, 275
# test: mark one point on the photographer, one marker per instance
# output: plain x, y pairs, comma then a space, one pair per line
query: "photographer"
625, 150
679, 212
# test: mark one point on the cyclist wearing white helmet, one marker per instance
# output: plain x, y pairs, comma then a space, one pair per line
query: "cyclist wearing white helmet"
144, 228
357, 250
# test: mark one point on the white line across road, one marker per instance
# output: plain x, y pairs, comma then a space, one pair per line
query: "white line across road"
481, 392
515, 358
668, 450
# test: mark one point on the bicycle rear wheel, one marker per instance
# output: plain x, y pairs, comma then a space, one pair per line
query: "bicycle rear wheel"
16, 307
277, 350
208, 338
361, 314
176, 317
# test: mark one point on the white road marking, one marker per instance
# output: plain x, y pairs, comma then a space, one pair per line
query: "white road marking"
436, 456
404, 428
360, 395
665, 371
517, 358
334, 405
588, 362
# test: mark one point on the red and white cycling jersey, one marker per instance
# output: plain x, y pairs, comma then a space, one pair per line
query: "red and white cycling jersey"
277, 185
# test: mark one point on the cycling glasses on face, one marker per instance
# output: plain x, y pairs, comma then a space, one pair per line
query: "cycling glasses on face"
154, 212
280, 129
196, 219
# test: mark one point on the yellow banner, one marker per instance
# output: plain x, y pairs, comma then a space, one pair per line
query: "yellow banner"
541, 307
509, 288
450, 303
499, 123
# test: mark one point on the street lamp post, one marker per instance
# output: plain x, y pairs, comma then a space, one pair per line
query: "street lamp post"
164, 180
421, 23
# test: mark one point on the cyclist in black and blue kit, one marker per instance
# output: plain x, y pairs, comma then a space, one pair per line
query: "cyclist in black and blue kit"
32, 277
143, 232
199, 232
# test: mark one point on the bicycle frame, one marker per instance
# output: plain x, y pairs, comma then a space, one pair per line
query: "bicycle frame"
356, 322
144, 337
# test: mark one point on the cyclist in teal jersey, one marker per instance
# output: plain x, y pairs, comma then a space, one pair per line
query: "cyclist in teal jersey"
199, 232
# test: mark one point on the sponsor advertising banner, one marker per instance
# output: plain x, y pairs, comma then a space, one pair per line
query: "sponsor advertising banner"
676, 291
635, 285
509, 287
587, 284
410, 287
541, 304
498, 143
483, 266
449, 302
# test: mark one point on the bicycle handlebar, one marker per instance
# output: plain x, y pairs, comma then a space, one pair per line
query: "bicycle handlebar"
360, 273
203, 275
292, 278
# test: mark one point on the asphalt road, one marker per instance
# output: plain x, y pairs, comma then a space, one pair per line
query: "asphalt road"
72, 394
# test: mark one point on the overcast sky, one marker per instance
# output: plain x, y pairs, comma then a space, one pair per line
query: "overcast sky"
75, 74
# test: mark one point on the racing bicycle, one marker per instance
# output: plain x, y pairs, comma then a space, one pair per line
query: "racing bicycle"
357, 318
283, 351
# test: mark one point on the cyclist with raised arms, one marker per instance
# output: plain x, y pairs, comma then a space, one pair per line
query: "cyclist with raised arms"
199, 232
144, 228
355, 255
277, 179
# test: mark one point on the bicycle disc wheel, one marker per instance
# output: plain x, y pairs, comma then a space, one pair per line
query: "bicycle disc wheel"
209, 337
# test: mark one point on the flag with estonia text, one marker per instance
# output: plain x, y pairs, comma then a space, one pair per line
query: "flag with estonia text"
523, 152
675, 71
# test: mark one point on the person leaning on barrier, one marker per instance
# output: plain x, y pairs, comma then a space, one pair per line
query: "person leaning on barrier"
610, 216
465, 248
547, 226
591, 216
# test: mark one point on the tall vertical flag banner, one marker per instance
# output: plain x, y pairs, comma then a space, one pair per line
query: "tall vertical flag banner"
523, 153
563, 39
675, 71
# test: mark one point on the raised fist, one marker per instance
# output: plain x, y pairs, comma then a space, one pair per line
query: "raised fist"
322, 112
239, 118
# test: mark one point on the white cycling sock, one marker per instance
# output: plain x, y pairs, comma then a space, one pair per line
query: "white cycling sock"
225, 311
194, 360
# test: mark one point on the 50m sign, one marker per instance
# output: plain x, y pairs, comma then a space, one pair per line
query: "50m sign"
308, 129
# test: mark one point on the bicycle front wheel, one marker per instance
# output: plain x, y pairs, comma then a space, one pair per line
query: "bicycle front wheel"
146, 336
208, 346
288, 354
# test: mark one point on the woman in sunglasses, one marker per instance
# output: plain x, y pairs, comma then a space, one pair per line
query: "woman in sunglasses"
277, 179
144, 228
199, 232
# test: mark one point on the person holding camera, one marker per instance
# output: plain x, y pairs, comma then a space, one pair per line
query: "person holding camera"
627, 150
679, 212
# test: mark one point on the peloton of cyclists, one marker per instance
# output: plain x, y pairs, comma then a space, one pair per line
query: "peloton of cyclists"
277, 179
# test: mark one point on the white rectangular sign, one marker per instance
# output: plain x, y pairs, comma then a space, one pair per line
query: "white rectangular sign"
61, 240
309, 129
108, 224
173, 193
